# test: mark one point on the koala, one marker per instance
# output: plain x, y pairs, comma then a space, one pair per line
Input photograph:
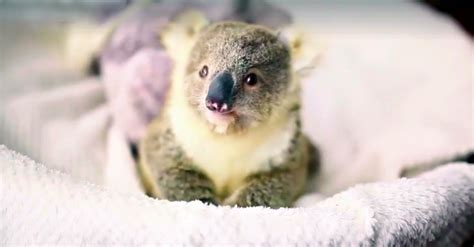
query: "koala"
230, 131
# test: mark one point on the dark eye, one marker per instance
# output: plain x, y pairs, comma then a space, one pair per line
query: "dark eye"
203, 72
251, 79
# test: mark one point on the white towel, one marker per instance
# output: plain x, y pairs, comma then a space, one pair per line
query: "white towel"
378, 102
41, 206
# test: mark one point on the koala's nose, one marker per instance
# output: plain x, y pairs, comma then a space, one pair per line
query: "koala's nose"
220, 95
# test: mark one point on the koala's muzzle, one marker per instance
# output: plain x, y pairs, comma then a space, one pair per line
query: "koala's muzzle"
220, 95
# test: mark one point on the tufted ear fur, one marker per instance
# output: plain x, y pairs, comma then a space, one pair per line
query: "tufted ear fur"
179, 35
305, 50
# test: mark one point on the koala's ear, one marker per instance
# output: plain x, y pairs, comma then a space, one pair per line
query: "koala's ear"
305, 50
180, 33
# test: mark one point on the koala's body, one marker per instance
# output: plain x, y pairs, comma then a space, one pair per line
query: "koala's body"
230, 132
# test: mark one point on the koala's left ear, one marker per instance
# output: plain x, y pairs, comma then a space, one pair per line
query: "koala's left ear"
305, 50
181, 32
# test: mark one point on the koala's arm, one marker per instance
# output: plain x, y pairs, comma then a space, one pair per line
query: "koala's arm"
280, 186
166, 172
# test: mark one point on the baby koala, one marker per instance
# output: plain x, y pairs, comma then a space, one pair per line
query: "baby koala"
230, 132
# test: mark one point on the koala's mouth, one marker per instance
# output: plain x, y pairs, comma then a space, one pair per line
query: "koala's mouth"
221, 118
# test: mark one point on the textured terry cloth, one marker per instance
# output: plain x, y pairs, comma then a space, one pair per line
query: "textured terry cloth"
380, 99
42, 206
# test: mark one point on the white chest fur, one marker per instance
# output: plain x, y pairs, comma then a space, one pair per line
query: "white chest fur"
225, 159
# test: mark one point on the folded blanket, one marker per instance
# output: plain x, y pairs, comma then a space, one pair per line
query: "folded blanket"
436, 208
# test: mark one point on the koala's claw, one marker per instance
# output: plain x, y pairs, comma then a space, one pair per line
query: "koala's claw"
209, 201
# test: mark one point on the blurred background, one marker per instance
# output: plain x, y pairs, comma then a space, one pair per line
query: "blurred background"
80, 80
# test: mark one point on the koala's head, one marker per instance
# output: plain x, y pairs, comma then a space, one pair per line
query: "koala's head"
237, 75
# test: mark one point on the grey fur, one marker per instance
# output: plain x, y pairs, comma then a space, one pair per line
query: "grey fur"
239, 48
168, 172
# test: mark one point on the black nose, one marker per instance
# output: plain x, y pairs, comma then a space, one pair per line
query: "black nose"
220, 95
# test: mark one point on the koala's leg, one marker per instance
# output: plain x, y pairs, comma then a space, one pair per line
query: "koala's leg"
167, 173
279, 187
178, 182
181, 183
274, 189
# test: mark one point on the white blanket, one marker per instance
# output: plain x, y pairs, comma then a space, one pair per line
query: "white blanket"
41, 206
380, 100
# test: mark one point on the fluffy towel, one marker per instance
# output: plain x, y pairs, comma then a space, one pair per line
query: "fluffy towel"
429, 209
379, 101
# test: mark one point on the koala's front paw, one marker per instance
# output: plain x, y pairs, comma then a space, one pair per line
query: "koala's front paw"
258, 194
186, 184
192, 193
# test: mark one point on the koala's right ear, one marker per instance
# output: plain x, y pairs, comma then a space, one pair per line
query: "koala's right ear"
305, 49
179, 34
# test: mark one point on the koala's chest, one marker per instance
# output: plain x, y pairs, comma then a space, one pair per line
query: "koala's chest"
228, 161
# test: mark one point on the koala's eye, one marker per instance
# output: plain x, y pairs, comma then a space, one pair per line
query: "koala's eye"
203, 72
251, 79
